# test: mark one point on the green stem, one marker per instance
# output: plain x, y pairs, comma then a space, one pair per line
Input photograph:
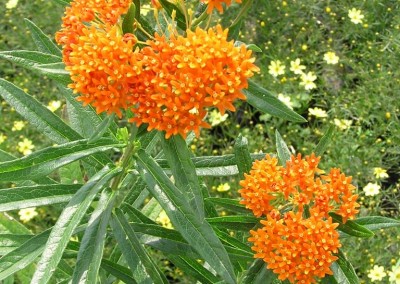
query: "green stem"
243, 11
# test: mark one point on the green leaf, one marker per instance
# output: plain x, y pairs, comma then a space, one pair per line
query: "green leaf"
228, 203
142, 266
9, 225
179, 18
45, 161
9, 242
234, 30
264, 101
68, 221
197, 233
37, 195
71, 173
227, 239
102, 128
236, 222
350, 227
129, 19
242, 155
258, 273
29, 59
343, 271
23, 255
92, 245
37, 114
253, 47
119, 271
282, 149
374, 223
43, 42
193, 268
325, 140
184, 172
55, 71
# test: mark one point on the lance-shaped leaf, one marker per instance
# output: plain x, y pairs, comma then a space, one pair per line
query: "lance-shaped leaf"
179, 16
28, 58
55, 71
258, 273
119, 271
9, 225
36, 195
282, 149
325, 140
9, 242
37, 114
236, 222
68, 221
42, 41
343, 271
92, 245
129, 19
228, 203
350, 227
184, 172
264, 101
23, 255
197, 233
45, 161
374, 223
242, 155
143, 268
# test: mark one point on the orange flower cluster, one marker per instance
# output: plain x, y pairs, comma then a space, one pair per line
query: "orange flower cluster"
296, 247
186, 75
169, 84
217, 4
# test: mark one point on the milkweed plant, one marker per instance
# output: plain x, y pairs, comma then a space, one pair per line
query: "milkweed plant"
138, 91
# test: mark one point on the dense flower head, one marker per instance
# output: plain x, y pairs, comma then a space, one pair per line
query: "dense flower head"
104, 69
217, 4
186, 75
295, 248
300, 183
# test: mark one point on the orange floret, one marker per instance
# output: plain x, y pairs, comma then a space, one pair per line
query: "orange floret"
105, 70
217, 4
186, 75
295, 248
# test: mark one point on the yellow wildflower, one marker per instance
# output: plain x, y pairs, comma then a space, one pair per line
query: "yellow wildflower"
276, 68
164, 220
307, 80
317, 112
355, 16
2, 138
377, 273
331, 58
371, 189
296, 67
25, 147
286, 100
380, 173
54, 105
11, 4
215, 117
395, 275
27, 214
343, 124
223, 187
18, 125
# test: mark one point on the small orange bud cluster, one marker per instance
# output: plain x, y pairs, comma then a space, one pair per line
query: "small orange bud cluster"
169, 84
217, 4
294, 246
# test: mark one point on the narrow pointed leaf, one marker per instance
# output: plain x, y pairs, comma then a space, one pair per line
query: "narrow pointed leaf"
9, 242
197, 233
343, 271
179, 18
282, 149
119, 271
68, 221
137, 258
9, 225
351, 228
194, 268
325, 140
92, 245
228, 203
45, 161
242, 155
374, 223
42, 41
55, 71
23, 255
264, 101
28, 58
258, 273
37, 195
102, 128
184, 172
236, 222
129, 19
